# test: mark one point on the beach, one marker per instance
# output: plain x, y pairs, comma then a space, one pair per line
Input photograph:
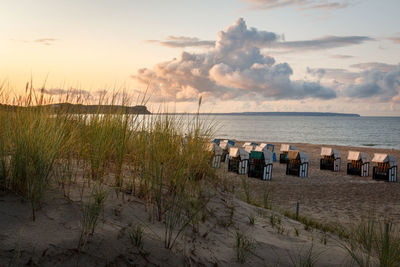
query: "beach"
326, 195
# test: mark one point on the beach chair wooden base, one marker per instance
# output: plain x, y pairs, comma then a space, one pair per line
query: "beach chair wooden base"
260, 170
389, 174
330, 164
297, 169
238, 166
360, 169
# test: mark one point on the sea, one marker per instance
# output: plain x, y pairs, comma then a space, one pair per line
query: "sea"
379, 132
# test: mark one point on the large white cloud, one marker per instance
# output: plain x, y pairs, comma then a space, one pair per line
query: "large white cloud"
234, 67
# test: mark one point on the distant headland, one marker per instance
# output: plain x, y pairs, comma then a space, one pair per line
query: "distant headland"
85, 109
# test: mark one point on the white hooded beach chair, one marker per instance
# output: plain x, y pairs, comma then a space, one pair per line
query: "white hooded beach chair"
386, 168
225, 145
249, 148
298, 163
260, 163
330, 159
238, 160
216, 154
285, 148
359, 163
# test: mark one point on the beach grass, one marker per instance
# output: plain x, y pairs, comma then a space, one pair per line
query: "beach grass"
160, 159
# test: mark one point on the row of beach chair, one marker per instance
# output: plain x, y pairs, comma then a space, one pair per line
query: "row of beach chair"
257, 160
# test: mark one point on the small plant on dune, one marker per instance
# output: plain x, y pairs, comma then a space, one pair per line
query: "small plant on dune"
307, 258
251, 219
266, 197
387, 245
272, 220
243, 247
296, 231
91, 212
361, 242
246, 189
136, 236
324, 238
374, 243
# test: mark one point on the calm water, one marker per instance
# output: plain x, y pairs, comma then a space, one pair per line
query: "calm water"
382, 132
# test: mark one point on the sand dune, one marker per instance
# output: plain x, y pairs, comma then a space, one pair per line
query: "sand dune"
52, 239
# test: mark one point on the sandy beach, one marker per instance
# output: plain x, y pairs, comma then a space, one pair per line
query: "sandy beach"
327, 195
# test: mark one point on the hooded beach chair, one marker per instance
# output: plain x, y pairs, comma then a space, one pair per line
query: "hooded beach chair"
238, 160
260, 163
359, 163
226, 145
215, 153
330, 159
298, 163
386, 168
285, 148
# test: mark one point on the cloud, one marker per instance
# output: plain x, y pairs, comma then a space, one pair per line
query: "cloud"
374, 65
233, 68
43, 41
69, 92
378, 82
322, 43
183, 41
301, 4
262, 39
340, 76
342, 56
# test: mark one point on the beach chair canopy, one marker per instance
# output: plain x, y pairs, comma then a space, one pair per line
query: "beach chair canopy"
231, 142
295, 154
382, 158
246, 144
355, 155
235, 152
263, 145
249, 144
286, 147
328, 151
268, 155
225, 145
216, 149
249, 148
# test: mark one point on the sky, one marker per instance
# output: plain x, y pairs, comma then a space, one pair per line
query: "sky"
237, 55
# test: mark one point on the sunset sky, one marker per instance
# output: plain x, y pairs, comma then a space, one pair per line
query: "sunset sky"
239, 55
